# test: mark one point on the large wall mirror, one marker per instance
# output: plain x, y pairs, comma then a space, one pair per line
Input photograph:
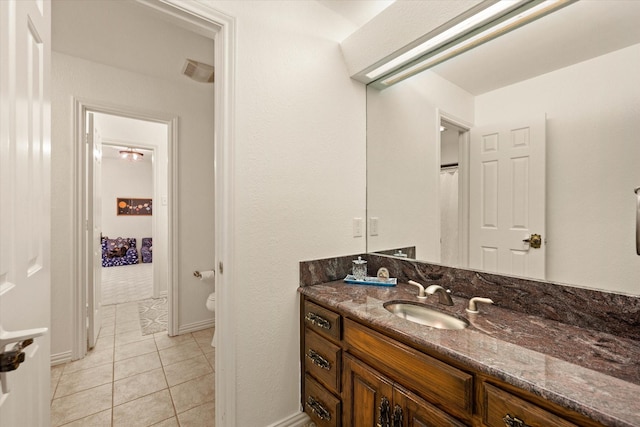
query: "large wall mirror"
571, 79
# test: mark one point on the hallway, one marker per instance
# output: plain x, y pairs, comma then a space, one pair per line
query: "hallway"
131, 379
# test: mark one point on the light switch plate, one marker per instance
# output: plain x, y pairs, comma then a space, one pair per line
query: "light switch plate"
357, 227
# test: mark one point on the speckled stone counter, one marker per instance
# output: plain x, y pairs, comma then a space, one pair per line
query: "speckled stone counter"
593, 373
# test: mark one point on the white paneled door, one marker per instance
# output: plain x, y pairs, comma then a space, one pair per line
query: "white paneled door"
25, 129
507, 198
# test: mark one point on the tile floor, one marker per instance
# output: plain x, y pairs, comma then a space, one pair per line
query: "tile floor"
131, 379
126, 283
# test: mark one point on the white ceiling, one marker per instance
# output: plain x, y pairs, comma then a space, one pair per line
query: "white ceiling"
131, 36
583, 30
127, 35
358, 12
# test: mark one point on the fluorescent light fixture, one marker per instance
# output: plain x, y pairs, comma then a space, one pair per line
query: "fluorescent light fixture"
457, 30
502, 21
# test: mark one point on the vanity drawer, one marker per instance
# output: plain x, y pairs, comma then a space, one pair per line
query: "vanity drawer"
324, 408
323, 321
322, 359
499, 404
443, 385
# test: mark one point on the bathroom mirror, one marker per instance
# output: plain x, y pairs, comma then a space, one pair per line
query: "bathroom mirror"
577, 71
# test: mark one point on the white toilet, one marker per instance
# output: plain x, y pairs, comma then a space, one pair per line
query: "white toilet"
211, 302
211, 306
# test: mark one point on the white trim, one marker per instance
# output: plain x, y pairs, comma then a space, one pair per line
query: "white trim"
223, 27
173, 294
299, 419
80, 108
60, 358
197, 326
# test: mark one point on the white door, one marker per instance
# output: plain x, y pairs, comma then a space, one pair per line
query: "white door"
25, 134
507, 198
94, 230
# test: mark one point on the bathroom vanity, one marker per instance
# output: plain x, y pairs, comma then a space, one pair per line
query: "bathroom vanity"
364, 366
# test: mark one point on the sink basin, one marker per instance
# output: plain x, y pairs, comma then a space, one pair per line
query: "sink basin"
425, 316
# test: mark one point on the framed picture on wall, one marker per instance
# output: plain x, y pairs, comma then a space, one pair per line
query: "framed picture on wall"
128, 206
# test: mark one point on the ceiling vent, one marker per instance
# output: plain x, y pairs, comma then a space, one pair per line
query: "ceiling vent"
198, 71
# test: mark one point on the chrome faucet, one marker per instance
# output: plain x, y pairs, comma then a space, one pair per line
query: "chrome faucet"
443, 294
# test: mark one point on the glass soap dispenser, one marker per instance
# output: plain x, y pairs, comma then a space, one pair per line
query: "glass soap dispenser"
359, 269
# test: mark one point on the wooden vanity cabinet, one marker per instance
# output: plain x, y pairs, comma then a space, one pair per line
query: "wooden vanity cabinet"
321, 353
354, 376
502, 407
371, 399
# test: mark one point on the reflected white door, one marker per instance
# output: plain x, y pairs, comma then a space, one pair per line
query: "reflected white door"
507, 198
94, 230
25, 135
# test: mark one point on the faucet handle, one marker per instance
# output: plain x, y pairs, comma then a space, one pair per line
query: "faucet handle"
473, 308
421, 295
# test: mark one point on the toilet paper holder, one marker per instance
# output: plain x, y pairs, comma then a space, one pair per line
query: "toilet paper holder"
199, 275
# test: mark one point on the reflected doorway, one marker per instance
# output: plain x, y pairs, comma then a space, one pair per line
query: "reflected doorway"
453, 190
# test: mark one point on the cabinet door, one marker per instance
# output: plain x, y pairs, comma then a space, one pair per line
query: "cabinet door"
417, 412
367, 396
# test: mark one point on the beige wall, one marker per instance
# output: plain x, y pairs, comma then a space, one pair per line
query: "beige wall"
193, 105
299, 182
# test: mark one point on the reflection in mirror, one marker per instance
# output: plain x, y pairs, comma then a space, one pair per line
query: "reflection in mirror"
578, 68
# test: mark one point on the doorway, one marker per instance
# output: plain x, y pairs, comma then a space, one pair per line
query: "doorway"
108, 129
453, 189
133, 154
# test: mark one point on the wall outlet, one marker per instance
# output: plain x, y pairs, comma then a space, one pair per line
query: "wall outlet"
357, 227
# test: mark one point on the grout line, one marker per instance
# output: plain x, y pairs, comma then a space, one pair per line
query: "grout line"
201, 353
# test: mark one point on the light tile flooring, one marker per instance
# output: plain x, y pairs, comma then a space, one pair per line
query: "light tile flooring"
131, 379
126, 283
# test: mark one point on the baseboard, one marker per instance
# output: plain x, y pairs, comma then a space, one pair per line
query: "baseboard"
196, 326
60, 358
299, 419
163, 294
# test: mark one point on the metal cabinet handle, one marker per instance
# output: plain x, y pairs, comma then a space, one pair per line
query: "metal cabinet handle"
316, 320
384, 411
397, 416
317, 409
510, 421
318, 360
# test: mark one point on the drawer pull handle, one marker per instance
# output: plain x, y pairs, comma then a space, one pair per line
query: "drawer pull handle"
510, 421
316, 320
318, 409
384, 419
319, 360
397, 416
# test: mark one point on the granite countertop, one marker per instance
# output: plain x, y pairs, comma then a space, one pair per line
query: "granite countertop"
593, 373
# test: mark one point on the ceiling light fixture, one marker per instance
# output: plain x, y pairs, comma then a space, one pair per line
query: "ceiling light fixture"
131, 155
499, 18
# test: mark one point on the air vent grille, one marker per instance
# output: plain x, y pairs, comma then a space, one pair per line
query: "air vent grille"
198, 71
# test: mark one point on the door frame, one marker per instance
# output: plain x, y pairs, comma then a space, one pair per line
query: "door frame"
463, 182
84, 208
210, 22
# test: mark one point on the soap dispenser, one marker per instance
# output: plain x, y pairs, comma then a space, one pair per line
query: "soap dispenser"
359, 268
